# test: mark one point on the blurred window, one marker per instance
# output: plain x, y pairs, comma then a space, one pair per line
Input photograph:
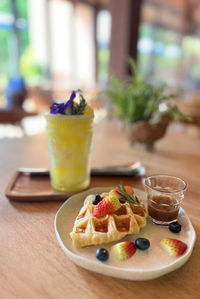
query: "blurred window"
8, 54
103, 42
169, 43
159, 53
55, 39
72, 45
16, 52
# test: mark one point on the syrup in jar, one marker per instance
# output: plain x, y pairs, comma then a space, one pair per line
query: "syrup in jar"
163, 208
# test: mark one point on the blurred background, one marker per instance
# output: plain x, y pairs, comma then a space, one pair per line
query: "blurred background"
50, 47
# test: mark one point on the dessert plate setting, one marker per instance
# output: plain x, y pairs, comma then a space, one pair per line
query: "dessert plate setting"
144, 264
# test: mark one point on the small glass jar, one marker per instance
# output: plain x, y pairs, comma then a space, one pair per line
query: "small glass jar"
164, 196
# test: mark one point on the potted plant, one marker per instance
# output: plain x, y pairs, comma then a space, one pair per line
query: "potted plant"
145, 108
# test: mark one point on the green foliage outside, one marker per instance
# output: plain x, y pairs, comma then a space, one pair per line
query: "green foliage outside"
103, 60
28, 67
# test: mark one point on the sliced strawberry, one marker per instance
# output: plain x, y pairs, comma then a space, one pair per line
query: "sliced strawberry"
173, 246
106, 206
103, 208
124, 250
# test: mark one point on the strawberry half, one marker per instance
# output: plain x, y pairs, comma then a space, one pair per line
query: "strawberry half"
173, 246
124, 250
107, 205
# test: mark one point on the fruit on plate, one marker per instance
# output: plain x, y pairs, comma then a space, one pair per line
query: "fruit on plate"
106, 206
173, 246
96, 199
124, 250
175, 227
102, 254
142, 243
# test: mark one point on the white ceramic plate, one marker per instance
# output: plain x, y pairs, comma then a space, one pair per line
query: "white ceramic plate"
143, 265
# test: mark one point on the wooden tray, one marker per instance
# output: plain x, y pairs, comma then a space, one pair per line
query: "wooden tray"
25, 187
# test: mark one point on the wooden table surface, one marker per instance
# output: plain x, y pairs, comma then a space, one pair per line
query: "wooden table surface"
32, 265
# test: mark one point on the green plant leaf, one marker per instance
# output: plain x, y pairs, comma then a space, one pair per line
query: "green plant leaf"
135, 99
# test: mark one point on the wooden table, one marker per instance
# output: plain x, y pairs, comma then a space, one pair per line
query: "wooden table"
32, 265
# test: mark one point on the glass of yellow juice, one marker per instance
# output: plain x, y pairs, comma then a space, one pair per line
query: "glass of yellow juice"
69, 138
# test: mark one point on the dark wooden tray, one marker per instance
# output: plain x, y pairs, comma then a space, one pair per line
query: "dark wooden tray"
24, 187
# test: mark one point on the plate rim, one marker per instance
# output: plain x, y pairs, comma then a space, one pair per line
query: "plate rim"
115, 271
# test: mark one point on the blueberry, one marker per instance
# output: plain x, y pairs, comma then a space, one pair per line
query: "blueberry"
175, 227
142, 243
96, 199
102, 254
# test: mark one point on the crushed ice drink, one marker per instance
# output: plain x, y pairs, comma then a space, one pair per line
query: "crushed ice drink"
69, 143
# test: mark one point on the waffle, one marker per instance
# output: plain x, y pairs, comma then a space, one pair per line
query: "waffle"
90, 231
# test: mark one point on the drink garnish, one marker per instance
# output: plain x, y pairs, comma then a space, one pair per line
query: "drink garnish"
79, 108
70, 107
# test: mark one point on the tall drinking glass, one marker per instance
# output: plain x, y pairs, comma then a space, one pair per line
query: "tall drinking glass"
69, 140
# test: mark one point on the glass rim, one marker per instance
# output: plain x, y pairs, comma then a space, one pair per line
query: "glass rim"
168, 176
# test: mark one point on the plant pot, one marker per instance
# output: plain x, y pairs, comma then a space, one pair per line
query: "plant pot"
147, 133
